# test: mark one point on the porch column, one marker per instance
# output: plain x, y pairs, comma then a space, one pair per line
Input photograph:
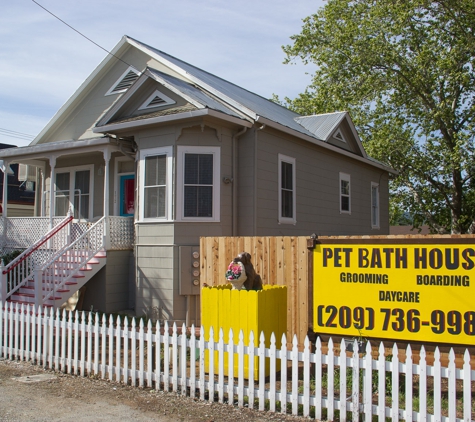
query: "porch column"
107, 157
5, 188
52, 163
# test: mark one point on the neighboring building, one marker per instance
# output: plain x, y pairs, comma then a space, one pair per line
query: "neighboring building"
21, 193
184, 154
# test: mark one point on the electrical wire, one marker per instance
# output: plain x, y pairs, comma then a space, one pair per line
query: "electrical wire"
17, 135
82, 35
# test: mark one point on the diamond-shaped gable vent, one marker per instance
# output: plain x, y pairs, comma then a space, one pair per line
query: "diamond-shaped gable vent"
157, 99
124, 82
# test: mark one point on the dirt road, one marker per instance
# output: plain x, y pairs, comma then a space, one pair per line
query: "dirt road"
60, 397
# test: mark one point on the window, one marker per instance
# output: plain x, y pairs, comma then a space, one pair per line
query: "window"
345, 192
124, 82
287, 195
157, 99
374, 205
156, 177
198, 190
73, 190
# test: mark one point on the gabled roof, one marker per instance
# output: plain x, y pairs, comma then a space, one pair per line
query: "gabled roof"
323, 126
204, 93
247, 102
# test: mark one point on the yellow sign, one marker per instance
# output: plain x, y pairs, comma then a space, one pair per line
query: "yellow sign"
417, 292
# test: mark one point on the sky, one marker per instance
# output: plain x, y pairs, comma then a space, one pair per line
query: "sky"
43, 61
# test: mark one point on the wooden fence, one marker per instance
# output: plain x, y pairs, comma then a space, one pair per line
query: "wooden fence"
321, 385
281, 261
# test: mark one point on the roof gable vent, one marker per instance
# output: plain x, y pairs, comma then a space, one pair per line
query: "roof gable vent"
157, 99
124, 82
338, 135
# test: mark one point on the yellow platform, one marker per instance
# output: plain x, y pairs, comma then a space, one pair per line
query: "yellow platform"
257, 311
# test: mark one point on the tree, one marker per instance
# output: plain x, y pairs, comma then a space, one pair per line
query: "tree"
404, 69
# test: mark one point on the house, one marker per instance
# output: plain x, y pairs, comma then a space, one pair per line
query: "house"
21, 189
152, 153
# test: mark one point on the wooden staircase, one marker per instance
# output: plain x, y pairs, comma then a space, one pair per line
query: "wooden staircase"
51, 270
61, 290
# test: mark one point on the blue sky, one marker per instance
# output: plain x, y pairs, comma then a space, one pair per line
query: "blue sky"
42, 61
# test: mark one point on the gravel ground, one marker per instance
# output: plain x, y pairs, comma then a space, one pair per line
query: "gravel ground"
72, 398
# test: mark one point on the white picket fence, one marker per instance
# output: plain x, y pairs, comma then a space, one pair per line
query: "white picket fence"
310, 383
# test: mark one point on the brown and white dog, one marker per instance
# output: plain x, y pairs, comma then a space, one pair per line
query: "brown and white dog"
254, 281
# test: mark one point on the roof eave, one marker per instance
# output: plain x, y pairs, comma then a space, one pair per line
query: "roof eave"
113, 127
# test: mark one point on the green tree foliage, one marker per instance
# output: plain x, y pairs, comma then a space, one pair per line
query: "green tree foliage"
404, 69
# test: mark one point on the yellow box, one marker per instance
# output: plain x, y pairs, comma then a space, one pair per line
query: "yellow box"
257, 311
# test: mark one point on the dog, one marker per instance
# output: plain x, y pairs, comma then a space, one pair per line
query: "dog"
254, 281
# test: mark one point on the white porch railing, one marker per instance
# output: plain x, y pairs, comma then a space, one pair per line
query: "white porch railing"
21, 232
68, 261
321, 385
17, 272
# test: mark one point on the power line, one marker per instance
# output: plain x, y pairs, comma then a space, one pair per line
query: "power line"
14, 132
17, 135
82, 35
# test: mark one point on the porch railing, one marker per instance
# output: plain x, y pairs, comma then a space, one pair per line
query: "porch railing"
68, 261
21, 232
16, 273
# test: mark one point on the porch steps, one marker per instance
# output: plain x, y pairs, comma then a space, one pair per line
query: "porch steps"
65, 289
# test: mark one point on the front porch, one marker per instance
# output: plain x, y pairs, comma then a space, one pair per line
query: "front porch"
55, 263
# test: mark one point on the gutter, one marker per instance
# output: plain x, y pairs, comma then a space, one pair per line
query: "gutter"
234, 178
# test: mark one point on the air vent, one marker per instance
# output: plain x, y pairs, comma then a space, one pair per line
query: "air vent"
157, 99
338, 135
124, 82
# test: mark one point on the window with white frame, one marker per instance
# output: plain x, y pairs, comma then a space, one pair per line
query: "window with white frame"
198, 190
156, 182
345, 193
374, 205
73, 190
287, 194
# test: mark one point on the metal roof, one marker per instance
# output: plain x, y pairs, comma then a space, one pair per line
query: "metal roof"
250, 102
192, 91
321, 125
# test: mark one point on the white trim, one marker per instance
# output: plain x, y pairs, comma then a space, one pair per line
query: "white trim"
118, 81
151, 152
216, 152
287, 220
167, 100
72, 171
345, 177
375, 224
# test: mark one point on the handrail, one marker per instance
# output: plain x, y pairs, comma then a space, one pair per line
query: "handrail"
78, 265
71, 245
26, 253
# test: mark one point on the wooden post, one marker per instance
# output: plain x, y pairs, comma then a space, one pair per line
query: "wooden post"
38, 287
3, 284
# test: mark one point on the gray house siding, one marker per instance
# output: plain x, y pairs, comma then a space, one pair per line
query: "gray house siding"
157, 243
317, 190
109, 289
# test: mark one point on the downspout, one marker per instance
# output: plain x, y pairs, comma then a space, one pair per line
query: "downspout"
254, 231
234, 179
